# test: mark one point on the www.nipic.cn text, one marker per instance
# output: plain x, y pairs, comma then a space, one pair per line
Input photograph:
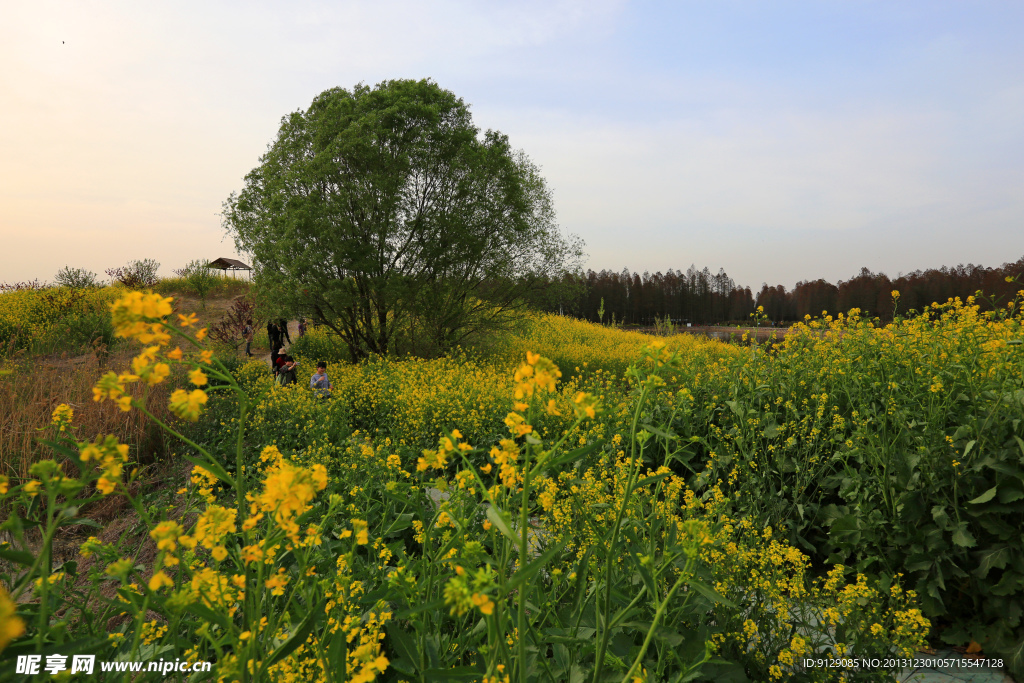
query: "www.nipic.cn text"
86, 664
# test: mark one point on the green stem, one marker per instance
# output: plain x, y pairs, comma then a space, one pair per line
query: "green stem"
173, 431
602, 620
524, 537
243, 410
657, 617
47, 560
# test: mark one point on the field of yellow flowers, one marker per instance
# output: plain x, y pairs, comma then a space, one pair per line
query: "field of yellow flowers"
569, 502
55, 319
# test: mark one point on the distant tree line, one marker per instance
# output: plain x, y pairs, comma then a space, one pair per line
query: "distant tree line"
695, 296
701, 297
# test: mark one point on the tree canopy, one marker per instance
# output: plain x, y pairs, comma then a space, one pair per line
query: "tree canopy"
385, 214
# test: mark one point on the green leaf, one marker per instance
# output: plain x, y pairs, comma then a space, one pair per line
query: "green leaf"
991, 558
213, 467
207, 614
985, 497
573, 456
295, 639
402, 500
847, 524
918, 562
969, 446
724, 671
402, 666
1015, 657
527, 572
498, 519
662, 633
736, 408
400, 523
659, 432
962, 431
567, 636
337, 653
88, 645
652, 479
1010, 495
19, 556
710, 593
962, 537
404, 646
459, 673
405, 614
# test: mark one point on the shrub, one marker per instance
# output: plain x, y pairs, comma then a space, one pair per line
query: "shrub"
199, 278
137, 274
320, 344
230, 330
30, 285
76, 278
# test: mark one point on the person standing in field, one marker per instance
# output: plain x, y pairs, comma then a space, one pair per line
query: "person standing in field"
275, 357
247, 333
282, 326
272, 334
302, 327
320, 382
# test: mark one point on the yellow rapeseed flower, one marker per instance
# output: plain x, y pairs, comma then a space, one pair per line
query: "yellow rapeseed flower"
11, 625
359, 526
159, 580
187, 405
62, 416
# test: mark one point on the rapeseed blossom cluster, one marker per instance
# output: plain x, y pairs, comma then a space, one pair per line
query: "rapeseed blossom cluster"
288, 491
110, 457
142, 316
62, 416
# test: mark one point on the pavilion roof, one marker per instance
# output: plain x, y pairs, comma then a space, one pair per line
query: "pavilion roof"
229, 264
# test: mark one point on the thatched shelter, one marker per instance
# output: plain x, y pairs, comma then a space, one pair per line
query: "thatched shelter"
226, 264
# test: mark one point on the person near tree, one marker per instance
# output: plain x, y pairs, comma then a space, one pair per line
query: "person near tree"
273, 334
247, 333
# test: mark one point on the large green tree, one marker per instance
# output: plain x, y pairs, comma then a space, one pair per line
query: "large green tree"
386, 215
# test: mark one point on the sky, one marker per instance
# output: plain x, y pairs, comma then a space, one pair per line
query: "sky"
782, 141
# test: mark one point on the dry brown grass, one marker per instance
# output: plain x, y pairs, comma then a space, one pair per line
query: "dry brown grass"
31, 387
35, 386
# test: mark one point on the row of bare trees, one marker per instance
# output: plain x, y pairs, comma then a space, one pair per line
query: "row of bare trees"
701, 297
694, 296
872, 292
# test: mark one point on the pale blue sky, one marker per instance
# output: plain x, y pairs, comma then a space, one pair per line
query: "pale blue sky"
780, 140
